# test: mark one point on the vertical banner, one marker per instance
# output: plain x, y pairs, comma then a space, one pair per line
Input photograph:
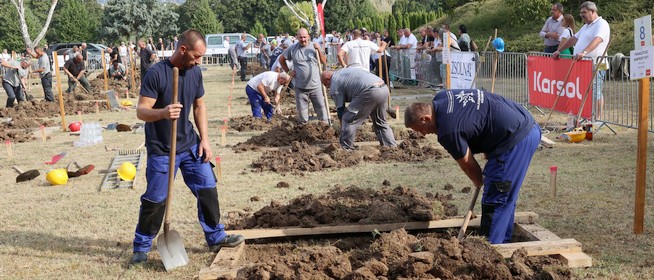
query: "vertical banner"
322, 19
462, 69
546, 77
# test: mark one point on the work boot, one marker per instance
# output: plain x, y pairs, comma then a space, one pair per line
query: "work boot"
231, 240
138, 258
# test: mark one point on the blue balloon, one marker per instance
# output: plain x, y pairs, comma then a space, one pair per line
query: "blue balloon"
498, 44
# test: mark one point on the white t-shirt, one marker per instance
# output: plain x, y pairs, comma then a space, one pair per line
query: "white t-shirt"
269, 80
565, 33
358, 53
412, 40
122, 50
402, 40
226, 44
276, 65
588, 32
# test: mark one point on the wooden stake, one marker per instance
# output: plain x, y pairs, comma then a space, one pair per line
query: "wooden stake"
553, 172
133, 66
481, 60
223, 136
641, 160
97, 108
397, 113
42, 128
494, 69
10, 153
220, 169
104, 72
61, 96
79, 115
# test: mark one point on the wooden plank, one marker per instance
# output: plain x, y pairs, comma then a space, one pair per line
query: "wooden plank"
228, 256
536, 232
576, 260
212, 273
540, 248
520, 217
225, 263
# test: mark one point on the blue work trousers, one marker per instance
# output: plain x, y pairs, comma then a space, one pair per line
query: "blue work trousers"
256, 103
503, 177
200, 179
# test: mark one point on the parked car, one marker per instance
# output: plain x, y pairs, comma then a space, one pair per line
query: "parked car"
215, 43
93, 53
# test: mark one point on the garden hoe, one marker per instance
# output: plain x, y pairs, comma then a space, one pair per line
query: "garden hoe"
169, 244
466, 221
26, 176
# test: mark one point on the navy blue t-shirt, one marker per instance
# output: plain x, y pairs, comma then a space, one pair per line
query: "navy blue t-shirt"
158, 84
479, 120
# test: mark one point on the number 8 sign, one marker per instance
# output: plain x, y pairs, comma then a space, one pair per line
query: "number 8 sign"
643, 32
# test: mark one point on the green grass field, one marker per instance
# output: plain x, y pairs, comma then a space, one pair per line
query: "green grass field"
76, 232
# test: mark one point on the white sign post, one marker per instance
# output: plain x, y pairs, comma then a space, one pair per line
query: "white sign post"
462, 69
643, 32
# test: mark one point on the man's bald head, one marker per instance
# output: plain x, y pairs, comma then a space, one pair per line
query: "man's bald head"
415, 112
326, 78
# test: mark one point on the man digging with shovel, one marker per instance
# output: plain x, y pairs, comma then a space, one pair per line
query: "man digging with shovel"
367, 95
161, 113
470, 121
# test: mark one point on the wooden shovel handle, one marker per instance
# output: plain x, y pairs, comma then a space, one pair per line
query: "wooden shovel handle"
17, 169
171, 157
466, 221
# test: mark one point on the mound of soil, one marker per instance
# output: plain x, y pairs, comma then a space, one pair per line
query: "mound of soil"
289, 131
351, 205
249, 123
399, 255
98, 92
43, 109
303, 157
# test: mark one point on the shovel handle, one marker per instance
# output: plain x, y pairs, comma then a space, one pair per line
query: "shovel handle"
324, 90
171, 157
466, 221
17, 169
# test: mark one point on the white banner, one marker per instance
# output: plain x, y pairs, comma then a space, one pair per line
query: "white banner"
462, 70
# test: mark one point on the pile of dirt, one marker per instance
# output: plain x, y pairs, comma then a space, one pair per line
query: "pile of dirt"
348, 205
303, 157
42, 109
249, 123
289, 131
98, 92
399, 255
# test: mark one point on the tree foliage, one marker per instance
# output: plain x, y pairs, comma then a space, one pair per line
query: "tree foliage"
75, 21
288, 22
258, 29
241, 15
130, 19
197, 14
338, 13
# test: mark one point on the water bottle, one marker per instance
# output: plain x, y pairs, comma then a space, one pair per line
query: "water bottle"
90, 134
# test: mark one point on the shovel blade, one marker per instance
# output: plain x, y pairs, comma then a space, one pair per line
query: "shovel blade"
27, 175
171, 250
391, 113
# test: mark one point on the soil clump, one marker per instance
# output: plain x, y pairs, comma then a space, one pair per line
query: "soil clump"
303, 157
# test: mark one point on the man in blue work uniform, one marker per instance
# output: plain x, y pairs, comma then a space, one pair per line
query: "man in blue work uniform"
156, 108
470, 121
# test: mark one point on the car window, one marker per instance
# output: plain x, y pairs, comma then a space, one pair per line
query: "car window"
233, 39
215, 40
249, 39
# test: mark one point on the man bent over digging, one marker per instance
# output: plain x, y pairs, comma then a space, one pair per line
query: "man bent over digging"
468, 122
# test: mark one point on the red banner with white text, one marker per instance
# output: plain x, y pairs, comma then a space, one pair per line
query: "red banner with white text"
546, 78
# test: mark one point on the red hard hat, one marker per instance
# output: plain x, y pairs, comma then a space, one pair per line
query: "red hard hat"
75, 126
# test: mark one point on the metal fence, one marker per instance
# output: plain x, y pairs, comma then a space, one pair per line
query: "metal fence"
620, 94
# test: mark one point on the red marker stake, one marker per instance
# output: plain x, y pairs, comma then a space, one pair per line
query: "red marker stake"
553, 170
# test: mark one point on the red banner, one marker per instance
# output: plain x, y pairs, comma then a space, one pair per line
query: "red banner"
322, 19
546, 77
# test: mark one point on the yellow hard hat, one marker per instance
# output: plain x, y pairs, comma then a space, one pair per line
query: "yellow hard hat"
57, 177
126, 103
126, 171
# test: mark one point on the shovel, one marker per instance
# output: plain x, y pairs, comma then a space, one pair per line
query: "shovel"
169, 244
466, 221
382, 65
324, 90
80, 170
26, 176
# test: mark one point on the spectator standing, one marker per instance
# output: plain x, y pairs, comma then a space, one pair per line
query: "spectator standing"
263, 47
147, 56
45, 72
122, 51
552, 28
5, 55
388, 39
465, 42
591, 41
358, 52
567, 31
12, 80
306, 78
240, 49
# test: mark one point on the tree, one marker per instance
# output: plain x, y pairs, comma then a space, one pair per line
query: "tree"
75, 20
197, 14
133, 19
339, 13
25, 16
258, 29
288, 22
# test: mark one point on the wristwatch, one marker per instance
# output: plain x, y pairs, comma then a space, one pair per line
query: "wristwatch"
584, 52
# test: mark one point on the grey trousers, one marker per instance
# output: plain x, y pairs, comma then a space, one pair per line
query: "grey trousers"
302, 97
83, 81
371, 103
